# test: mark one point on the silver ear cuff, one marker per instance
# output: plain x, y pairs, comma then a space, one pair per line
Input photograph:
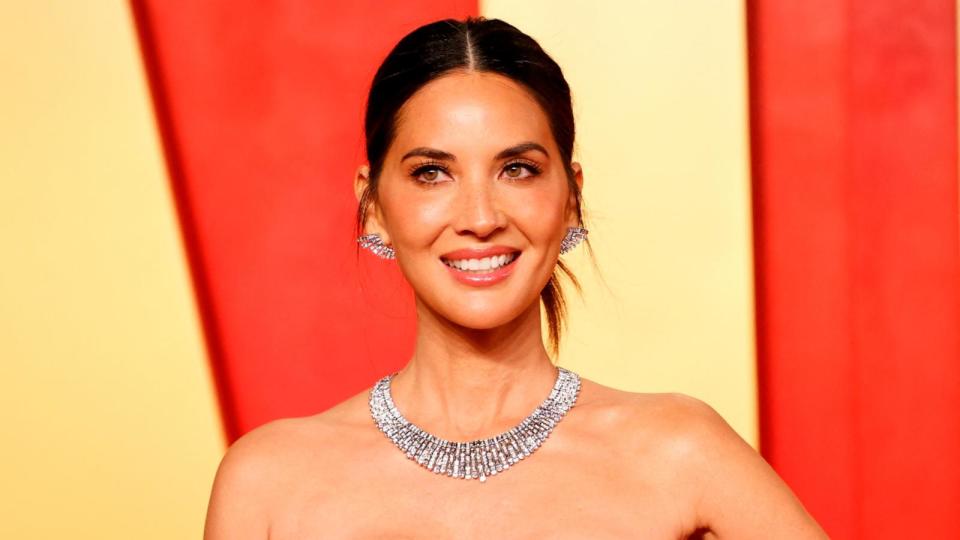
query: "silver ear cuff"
374, 243
574, 236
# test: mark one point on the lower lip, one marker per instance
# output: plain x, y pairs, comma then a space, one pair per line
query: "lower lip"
483, 279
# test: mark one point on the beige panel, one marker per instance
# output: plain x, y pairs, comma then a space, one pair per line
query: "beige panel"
660, 95
111, 426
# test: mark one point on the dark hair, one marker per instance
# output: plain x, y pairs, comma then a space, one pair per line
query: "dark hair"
475, 44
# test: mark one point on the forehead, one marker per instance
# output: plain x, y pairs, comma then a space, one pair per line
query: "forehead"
471, 110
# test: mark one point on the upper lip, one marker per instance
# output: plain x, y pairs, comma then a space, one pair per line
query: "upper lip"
477, 253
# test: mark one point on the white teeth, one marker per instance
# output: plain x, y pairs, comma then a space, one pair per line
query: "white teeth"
482, 265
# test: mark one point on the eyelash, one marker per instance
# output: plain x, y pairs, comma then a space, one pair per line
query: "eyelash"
420, 168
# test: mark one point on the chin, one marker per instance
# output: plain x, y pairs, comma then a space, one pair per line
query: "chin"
482, 320
476, 313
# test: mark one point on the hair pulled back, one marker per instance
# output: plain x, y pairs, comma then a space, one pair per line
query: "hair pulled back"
474, 44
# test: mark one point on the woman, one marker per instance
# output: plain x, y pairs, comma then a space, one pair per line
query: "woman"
470, 186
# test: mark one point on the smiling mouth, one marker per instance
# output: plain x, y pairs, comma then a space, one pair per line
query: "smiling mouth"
482, 265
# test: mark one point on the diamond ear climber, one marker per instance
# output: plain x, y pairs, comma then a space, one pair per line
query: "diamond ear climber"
374, 243
574, 236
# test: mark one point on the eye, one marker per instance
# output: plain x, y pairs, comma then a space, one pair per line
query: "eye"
428, 172
514, 170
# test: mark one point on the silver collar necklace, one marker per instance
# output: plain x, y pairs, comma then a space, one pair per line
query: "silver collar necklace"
483, 457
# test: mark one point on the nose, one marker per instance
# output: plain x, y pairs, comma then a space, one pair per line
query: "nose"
477, 209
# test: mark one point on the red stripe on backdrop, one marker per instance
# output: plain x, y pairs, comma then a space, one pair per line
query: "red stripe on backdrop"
854, 135
260, 107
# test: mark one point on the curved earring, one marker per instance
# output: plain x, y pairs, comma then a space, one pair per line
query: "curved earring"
574, 236
374, 243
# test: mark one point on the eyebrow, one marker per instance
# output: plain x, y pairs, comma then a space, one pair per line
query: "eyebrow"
515, 150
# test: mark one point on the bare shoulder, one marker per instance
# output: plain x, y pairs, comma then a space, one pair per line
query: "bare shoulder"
655, 418
736, 493
261, 469
243, 484
659, 426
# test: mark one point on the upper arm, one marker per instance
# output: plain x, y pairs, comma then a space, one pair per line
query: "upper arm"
237, 507
739, 494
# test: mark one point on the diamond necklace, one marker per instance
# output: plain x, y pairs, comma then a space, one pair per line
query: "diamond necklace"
482, 457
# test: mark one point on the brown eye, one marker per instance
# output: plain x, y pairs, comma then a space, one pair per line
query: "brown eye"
515, 170
427, 173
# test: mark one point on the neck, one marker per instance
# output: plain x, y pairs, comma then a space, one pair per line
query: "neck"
465, 384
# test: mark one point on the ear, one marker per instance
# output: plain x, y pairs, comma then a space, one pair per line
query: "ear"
572, 201
374, 216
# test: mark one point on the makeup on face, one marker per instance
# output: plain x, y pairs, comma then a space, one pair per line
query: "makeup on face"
475, 173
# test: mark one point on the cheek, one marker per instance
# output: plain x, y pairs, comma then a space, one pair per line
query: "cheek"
420, 221
539, 211
413, 215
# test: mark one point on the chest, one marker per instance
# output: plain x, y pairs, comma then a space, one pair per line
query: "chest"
531, 500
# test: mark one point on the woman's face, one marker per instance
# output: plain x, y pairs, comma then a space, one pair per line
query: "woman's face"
473, 166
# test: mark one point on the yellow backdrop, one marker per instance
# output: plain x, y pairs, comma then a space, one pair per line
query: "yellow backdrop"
111, 428
660, 100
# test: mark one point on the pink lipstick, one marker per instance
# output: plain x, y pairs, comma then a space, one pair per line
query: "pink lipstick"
481, 278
